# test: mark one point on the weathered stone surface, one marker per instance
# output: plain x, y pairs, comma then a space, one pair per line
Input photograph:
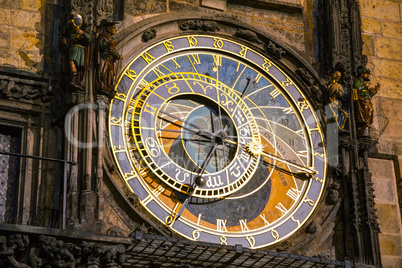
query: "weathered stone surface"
5, 37
195, 2
143, 7
371, 26
5, 16
388, 68
388, 220
385, 191
391, 29
391, 107
10, 3
269, 15
26, 19
382, 169
180, 7
390, 244
390, 88
391, 262
368, 45
296, 18
32, 4
215, 4
293, 38
380, 9
280, 24
237, 9
390, 49
394, 129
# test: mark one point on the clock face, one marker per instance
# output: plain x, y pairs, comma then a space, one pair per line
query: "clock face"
217, 142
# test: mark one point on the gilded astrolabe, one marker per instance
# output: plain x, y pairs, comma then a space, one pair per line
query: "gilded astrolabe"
217, 142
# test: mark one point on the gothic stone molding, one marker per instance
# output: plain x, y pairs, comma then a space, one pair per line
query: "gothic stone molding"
23, 86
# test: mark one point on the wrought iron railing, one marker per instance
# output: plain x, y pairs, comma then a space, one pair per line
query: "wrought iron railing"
54, 220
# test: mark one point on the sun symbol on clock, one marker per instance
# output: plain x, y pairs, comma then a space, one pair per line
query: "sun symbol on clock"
254, 148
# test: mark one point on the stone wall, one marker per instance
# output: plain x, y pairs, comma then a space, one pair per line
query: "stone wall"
288, 27
22, 34
382, 36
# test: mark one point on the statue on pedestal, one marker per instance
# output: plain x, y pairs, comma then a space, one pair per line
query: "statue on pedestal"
338, 103
77, 46
362, 96
107, 57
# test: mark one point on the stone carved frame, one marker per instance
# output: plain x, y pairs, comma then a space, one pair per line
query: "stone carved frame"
129, 43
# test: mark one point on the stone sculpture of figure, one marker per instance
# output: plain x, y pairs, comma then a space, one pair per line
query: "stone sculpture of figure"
362, 96
77, 44
107, 57
9, 247
337, 105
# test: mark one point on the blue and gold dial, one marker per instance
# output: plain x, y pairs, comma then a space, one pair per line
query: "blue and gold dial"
217, 142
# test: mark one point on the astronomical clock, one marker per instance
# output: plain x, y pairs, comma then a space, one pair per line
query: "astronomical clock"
218, 142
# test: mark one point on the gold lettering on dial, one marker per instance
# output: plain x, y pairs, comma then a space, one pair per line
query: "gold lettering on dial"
275, 93
168, 45
243, 225
152, 146
176, 64
147, 57
302, 105
296, 221
149, 109
173, 89
157, 191
235, 170
257, 78
221, 225
243, 51
293, 193
218, 43
158, 72
131, 74
116, 121
251, 241
274, 234
192, 41
196, 59
287, 82
224, 240
288, 110
266, 65
214, 181
262, 216
196, 234
281, 208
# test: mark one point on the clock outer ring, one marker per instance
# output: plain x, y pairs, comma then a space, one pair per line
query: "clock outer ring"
313, 128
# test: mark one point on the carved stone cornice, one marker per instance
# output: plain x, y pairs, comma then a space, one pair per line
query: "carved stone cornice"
22, 250
199, 25
23, 86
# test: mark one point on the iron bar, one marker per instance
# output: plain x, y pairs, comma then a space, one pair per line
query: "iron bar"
65, 162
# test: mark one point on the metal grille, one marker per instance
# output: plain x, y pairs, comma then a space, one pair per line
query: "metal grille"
154, 251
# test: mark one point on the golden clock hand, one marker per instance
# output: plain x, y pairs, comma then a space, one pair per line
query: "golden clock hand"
307, 170
188, 123
198, 180
199, 132
186, 139
261, 152
184, 132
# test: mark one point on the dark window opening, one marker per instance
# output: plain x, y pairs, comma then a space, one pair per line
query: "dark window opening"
10, 141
